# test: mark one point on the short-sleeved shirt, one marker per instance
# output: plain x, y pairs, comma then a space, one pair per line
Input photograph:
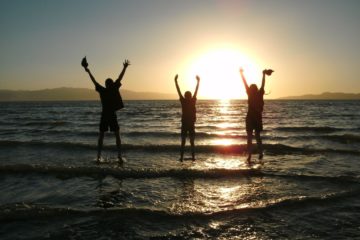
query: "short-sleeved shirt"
188, 110
110, 97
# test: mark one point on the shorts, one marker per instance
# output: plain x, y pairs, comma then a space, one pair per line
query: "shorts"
188, 128
254, 122
108, 120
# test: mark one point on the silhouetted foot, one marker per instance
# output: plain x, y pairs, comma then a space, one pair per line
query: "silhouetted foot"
181, 159
120, 160
261, 155
98, 159
248, 160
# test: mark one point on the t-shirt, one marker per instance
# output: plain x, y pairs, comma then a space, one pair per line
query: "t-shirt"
188, 110
110, 98
256, 102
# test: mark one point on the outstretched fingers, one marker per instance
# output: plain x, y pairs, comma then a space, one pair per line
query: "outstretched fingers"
126, 63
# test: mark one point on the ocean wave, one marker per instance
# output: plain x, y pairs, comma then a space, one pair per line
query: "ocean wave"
345, 138
310, 129
46, 123
25, 211
115, 170
202, 135
222, 149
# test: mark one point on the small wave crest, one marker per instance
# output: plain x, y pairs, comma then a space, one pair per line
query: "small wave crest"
117, 171
23, 211
46, 123
310, 129
222, 149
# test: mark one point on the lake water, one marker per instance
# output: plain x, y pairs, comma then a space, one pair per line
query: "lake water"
308, 186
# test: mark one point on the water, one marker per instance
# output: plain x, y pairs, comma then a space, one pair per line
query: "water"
308, 186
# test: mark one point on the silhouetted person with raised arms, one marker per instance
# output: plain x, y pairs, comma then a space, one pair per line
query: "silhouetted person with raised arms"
111, 101
254, 114
188, 117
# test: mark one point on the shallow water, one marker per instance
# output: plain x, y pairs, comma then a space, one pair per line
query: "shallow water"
307, 186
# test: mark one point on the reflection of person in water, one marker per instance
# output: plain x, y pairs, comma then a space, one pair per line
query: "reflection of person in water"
111, 101
254, 114
188, 117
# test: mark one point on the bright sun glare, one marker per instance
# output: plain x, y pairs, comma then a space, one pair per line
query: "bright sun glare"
219, 73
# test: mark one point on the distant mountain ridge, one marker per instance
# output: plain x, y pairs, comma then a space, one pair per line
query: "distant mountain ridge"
75, 94
326, 96
84, 94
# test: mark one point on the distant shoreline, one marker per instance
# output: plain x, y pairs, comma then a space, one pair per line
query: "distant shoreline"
86, 94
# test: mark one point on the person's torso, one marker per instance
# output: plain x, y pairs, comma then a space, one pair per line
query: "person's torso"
110, 99
256, 103
188, 110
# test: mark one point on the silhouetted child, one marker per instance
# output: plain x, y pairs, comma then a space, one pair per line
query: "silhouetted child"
188, 117
254, 114
111, 101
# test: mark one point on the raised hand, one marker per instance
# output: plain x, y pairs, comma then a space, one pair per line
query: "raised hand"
268, 72
176, 78
84, 63
126, 63
197, 78
241, 70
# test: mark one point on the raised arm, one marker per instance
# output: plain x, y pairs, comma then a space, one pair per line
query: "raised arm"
125, 64
263, 80
92, 77
244, 80
177, 87
265, 72
197, 86
85, 65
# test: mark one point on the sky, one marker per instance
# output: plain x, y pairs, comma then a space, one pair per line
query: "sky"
312, 45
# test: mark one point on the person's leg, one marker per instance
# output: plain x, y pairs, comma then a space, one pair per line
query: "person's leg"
100, 143
249, 145
259, 144
183, 141
192, 142
114, 127
118, 144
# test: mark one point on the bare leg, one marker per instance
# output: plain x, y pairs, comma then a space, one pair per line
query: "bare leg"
118, 144
259, 144
100, 144
249, 145
192, 142
183, 140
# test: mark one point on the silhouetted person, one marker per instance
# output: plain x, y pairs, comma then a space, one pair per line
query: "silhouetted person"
111, 101
188, 117
254, 114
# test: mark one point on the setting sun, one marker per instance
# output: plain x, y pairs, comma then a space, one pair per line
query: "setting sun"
219, 72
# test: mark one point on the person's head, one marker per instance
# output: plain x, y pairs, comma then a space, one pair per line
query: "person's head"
187, 95
108, 83
253, 89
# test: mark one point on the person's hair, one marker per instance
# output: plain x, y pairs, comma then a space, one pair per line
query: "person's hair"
109, 82
187, 95
253, 89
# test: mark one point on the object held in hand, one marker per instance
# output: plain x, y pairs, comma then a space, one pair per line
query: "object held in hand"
269, 72
84, 63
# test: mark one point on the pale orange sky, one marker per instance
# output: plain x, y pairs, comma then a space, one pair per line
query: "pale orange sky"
311, 45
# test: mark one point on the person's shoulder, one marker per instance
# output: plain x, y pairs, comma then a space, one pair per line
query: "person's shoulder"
117, 84
99, 88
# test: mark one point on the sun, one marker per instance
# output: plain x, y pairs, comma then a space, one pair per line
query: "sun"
219, 73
